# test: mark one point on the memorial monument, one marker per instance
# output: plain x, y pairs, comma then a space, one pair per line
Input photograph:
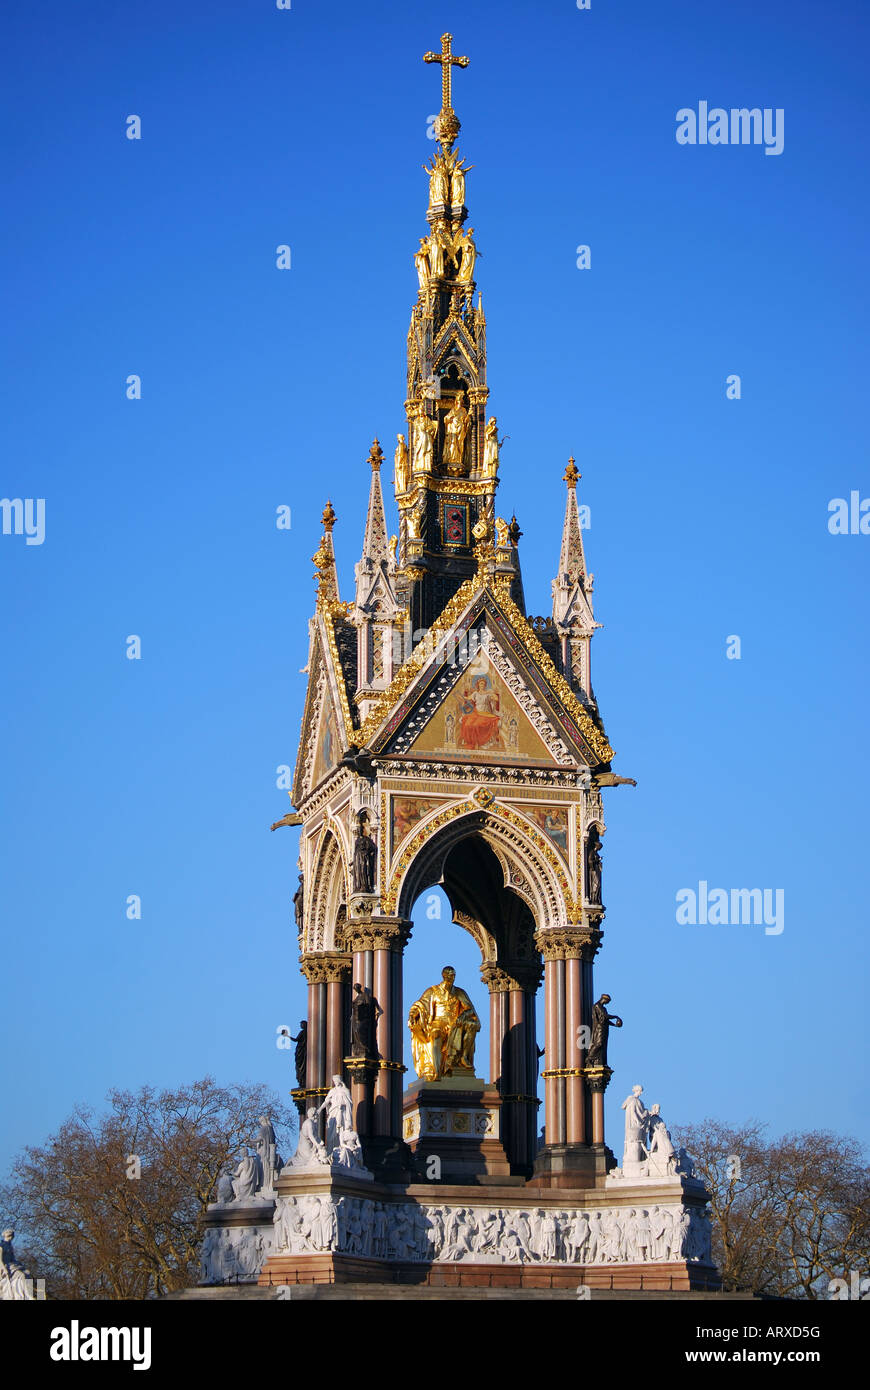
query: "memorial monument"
449, 737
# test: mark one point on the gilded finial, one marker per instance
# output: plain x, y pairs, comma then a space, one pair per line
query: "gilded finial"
328, 517
571, 474
447, 124
376, 455
514, 531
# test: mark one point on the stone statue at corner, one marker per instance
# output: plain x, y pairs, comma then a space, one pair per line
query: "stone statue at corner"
365, 853
636, 1121
339, 1113
364, 1013
602, 1022
310, 1150
15, 1283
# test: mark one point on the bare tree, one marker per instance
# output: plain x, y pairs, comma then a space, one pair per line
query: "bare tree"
112, 1205
789, 1214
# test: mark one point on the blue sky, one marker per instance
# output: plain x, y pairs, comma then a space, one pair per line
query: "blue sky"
263, 387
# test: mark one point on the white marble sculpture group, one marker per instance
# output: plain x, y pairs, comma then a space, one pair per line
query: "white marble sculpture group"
252, 1181
16, 1286
649, 1151
342, 1149
309, 1223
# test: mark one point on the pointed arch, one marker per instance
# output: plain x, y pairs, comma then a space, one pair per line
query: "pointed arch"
529, 868
329, 893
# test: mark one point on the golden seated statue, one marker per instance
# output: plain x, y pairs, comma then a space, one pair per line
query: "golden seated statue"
444, 1027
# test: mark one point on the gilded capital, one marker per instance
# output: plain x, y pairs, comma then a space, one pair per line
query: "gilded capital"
376, 934
574, 943
597, 1078
499, 980
325, 967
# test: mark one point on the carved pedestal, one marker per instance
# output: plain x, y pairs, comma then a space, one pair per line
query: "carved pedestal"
238, 1239
453, 1129
572, 1165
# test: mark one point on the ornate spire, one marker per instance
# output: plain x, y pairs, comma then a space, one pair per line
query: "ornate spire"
572, 562
375, 539
377, 612
324, 558
447, 472
572, 590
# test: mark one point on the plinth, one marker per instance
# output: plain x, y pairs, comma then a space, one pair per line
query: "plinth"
453, 1129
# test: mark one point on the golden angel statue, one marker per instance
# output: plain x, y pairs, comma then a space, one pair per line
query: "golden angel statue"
456, 423
444, 1027
421, 262
457, 183
465, 245
491, 446
439, 183
425, 431
402, 465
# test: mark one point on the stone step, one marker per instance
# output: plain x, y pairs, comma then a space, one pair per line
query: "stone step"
306, 1293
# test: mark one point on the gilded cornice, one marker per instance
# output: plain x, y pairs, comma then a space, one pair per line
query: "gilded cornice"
463, 487
313, 801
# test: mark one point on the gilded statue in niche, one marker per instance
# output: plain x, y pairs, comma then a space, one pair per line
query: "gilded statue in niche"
444, 1027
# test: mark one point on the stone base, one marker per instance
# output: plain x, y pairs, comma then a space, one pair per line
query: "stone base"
456, 1121
348, 1269
238, 1238
331, 1229
390, 1160
572, 1165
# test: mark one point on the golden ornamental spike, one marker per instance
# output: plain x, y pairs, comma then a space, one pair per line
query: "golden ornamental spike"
571, 474
376, 455
328, 517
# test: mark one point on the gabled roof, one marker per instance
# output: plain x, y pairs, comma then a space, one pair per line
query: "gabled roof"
327, 687
487, 600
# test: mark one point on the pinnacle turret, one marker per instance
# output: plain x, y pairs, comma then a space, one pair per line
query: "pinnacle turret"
572, 594
375, 539
377, 611
572, 561
324, 559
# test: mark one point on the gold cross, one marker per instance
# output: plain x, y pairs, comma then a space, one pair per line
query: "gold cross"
448, 61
